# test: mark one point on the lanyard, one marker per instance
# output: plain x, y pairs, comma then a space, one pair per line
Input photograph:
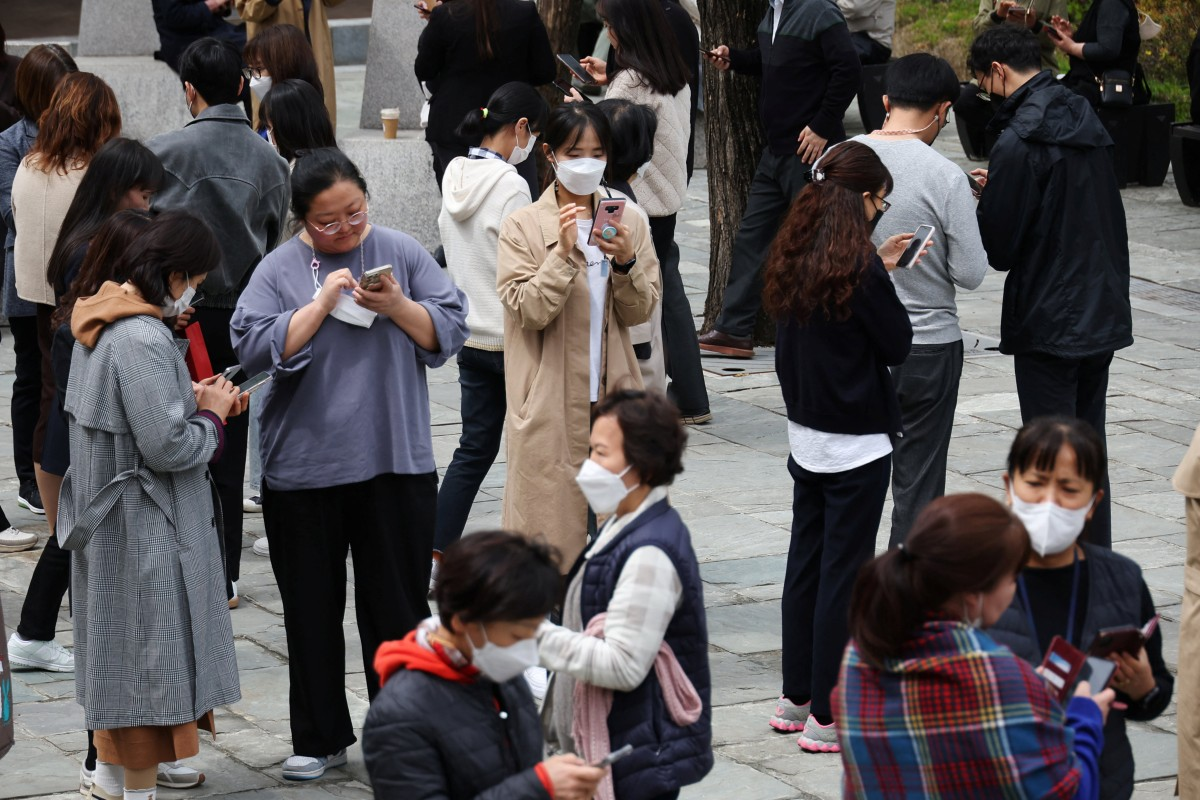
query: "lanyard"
316, 264
1073, 607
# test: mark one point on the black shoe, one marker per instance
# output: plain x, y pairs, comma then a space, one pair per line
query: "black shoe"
30, 499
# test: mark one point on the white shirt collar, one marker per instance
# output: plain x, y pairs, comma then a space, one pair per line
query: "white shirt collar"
777, 14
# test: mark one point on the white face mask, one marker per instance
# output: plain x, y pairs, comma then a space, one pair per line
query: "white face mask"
502, 664
641, 171
602, 489
976, 621
173, 307
580, 176
519, 154
271, 139
350, 312
1052, 529
260, 86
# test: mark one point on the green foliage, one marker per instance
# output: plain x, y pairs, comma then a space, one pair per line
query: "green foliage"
943, 27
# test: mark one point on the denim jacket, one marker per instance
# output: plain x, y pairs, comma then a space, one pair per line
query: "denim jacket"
221, 170
15, 142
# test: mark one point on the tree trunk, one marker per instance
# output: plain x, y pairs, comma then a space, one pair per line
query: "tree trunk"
561, 18
735, 142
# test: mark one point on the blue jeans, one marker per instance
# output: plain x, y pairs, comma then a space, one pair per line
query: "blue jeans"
481, 381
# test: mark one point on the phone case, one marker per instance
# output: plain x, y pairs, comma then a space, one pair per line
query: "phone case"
1061, 667
608, 215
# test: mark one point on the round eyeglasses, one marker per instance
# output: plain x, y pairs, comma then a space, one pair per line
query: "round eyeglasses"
253, 72
354, 220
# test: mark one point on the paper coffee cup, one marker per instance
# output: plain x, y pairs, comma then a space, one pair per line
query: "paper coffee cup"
391, 121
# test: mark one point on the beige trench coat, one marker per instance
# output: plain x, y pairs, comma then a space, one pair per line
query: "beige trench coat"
547, 366
1187, 685
258, 14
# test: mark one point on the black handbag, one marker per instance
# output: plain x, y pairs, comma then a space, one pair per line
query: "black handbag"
1116, 89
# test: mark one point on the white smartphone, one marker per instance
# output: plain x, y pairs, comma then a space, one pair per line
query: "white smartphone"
920, 239
255, 383
373, 277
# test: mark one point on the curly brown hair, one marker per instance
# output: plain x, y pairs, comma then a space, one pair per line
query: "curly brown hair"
824, 242
82, 116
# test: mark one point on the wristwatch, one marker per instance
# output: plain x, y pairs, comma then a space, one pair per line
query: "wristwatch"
623, 269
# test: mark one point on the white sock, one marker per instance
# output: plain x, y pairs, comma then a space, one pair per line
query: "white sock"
109, 777
141, 794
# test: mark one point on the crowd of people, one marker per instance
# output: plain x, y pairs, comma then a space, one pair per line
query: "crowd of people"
170, 346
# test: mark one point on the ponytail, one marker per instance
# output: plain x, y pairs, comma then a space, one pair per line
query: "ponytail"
959, 544
507, 105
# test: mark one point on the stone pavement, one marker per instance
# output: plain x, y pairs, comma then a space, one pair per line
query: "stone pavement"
735, 496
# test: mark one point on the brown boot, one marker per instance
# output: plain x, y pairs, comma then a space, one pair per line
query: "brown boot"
733, 346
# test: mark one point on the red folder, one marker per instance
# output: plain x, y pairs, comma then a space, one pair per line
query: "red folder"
198, 363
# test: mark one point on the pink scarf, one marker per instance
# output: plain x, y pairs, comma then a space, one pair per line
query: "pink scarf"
589, 728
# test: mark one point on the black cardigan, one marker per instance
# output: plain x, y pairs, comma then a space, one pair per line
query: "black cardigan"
834, 375
449, 63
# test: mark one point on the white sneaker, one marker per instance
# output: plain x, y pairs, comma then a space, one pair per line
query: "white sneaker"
50, 656
233, 601
307, 768
174, 775
14, 541
261, 548
538, 679
86, 778
252, 505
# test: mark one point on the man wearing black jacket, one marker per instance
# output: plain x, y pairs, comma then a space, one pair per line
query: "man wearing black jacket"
1050, 215
810, 72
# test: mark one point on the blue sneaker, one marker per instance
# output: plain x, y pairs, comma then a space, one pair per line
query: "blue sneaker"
307, 768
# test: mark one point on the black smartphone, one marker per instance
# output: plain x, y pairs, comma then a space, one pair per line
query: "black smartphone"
566, 88
1097, 672
712, 54
572, 63
976, 189
913, 251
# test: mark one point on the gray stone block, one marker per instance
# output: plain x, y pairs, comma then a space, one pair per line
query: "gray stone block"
117, 28
400, 178
19, 47
391, 83
350, 37
150, 94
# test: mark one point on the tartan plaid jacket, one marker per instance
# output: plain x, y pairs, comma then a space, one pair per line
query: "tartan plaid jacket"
956, 716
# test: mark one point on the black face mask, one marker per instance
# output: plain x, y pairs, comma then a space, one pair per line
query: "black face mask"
874, 223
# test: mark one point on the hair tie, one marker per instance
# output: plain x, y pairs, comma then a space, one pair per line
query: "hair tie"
485, 112
818, 176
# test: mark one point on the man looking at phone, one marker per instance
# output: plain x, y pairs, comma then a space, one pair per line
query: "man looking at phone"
929, 190
810, 72
218, 168
1050, 215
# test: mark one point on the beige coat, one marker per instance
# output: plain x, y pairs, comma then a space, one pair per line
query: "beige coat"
39, 204
259, 14
546, 366
1187, 685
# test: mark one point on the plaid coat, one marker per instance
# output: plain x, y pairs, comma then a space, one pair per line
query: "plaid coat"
959, 716
153, 640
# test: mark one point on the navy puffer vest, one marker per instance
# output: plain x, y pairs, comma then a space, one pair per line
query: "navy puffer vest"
665, 756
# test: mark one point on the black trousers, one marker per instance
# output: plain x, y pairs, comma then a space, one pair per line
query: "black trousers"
927, 387
26, 393
387, 524
869, 51
776, 183
687, 387
835, 517
975, 113
43, 598
230, 472
1072, 387
483, 407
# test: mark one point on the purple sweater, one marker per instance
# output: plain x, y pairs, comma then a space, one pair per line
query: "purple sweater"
352, 404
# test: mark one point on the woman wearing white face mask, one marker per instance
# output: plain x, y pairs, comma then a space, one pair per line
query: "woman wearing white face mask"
276, 54
479, 191
1073, 589
454, 719
634, 638
570, 304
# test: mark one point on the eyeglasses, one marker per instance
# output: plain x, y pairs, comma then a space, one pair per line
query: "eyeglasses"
884, 205
354, 220
252, 72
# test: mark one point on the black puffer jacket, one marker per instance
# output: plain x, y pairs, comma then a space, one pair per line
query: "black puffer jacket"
1051, 217
429, 738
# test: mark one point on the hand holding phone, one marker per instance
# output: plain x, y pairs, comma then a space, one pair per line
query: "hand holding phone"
1061, 667
920, 241
572, 63
718, 57
254, 384
608, 217
373, 277
614, 757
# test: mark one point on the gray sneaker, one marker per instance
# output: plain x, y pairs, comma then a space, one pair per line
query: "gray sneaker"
175, 775
307, 768
818, 738
50, 656
789, 717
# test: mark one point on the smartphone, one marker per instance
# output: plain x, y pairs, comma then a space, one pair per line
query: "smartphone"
712, 54
608, 215
614, 757
1122, 639
920, 239
229, 372
572, 63
976, 189
1097, 672
255, 383
373, 277
566, 88
1061, 667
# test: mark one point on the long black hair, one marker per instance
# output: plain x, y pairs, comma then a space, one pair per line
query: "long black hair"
486, 15
646, 43
118, 167
506, 106
295, 112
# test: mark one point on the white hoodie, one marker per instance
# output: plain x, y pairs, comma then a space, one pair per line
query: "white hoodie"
477, 194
